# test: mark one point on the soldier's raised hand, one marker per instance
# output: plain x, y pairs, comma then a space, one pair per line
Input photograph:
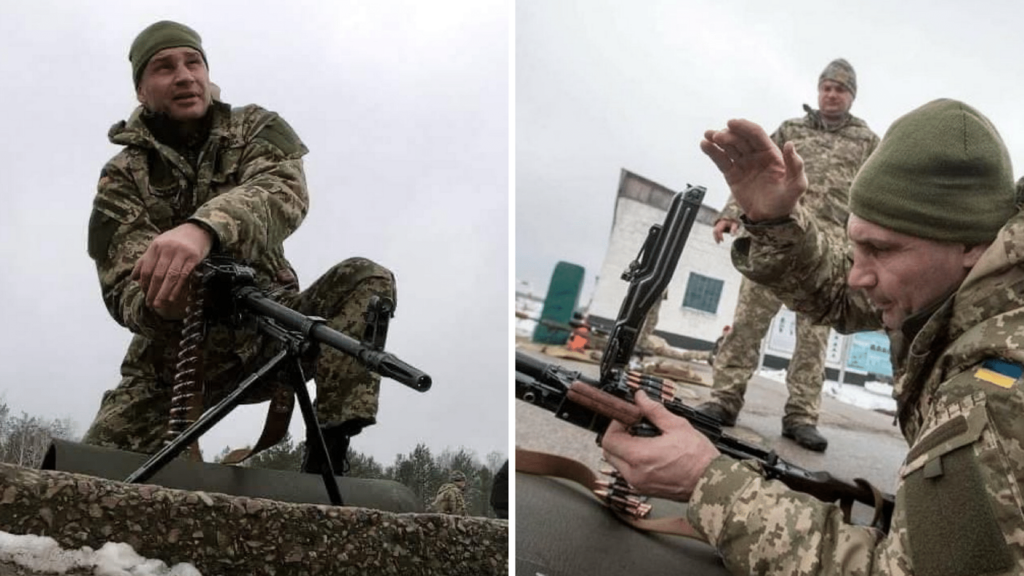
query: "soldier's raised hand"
765, 181
724, 226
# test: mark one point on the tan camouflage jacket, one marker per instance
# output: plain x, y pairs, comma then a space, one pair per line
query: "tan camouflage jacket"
247, 186
959, 507
449, 500
832, 156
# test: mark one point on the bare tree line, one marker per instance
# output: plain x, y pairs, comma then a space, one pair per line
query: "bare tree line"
421, 470
24, 439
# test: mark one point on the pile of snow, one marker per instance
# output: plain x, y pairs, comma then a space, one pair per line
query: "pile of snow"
43, 554
870, 396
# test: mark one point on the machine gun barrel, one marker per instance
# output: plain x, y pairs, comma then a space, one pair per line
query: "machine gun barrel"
383, 363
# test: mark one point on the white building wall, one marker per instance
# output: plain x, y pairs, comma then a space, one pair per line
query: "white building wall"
700, 255
641, 203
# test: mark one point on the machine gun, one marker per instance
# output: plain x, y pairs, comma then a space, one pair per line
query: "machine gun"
592, 404
231, 296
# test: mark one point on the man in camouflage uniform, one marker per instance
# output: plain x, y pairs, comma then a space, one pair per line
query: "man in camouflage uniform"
197, 176
936, 257
833, 144
650, 323
450, 497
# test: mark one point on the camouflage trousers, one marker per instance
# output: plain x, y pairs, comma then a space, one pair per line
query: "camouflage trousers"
740, 351
134, 416
650, 323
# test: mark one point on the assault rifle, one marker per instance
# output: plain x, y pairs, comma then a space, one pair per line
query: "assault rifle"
230, 296
592, 404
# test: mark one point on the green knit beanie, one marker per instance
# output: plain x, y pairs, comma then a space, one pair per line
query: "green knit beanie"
941, 172
156, 37
839, 70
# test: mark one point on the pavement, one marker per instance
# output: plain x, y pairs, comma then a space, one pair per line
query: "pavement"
862, 443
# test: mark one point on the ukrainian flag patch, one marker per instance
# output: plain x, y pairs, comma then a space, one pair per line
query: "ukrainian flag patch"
999, 372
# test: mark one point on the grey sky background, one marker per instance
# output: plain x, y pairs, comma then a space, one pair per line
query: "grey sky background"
608, 84
404, 107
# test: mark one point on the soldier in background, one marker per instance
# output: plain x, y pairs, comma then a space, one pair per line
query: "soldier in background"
834, 144
450, 497
650, 323
197, 176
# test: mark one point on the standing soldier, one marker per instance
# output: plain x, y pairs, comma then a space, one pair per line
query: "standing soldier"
450, 497
196, 175
834, 144
650, 323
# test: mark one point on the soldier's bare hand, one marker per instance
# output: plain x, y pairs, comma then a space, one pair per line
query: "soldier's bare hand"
723, 226
163, 270
666, 466
765, 181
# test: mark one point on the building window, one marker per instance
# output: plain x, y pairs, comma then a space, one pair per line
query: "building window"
702, 293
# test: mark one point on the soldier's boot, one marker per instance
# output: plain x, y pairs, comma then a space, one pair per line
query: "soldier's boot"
806, 435
718, 412
337, 437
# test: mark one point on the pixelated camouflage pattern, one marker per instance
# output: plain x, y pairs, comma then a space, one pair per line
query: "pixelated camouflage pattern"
832, 156
449, 500
650, 323
958, 500
253, 195
738, 356
226, 535
839, 70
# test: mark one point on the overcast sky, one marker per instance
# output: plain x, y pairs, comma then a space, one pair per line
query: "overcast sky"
608, 84
404, 107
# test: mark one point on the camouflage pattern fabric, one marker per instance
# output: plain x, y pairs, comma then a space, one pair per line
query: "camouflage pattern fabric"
832, 155
650, 323
246, 183
449, 500
958, 495
737, 357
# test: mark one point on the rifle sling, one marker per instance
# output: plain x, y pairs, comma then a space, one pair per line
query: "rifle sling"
876, 520
545, 464
279, 416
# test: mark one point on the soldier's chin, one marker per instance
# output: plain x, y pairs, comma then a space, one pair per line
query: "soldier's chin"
892, 318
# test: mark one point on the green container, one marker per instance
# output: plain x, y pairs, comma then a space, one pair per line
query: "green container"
560, 303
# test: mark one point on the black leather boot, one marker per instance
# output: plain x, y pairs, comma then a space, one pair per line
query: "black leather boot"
718, 412
806, 435
337, 441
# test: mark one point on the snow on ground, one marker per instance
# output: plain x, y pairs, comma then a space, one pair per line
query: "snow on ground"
43, 554
870, 396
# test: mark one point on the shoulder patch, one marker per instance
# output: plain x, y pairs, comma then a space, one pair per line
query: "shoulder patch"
999, 372
282, 136
101, 231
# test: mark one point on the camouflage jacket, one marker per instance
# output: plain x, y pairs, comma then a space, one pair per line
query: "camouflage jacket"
959, 506
246, 184
449, 500
832, 156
